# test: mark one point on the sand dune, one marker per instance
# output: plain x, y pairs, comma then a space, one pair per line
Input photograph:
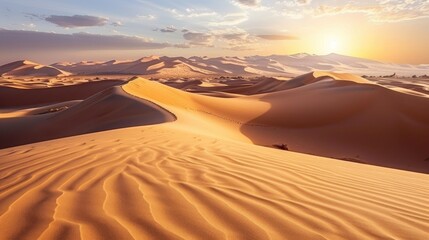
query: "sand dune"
153, 65
140, 183
327, 114
147, 160
273, 65
109, 109
28, 68
15, 97
344, 119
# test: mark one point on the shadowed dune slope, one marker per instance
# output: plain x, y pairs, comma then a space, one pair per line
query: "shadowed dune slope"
163, 182
109, 109
268, 85
351, 120
16, 97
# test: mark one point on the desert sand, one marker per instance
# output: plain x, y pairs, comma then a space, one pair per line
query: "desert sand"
195, 158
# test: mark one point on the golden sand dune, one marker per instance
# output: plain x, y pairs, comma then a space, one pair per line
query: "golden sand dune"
28, 68
346, 119
317, 113
162, 182
180, 165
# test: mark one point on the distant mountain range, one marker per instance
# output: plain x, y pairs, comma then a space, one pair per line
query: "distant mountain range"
274, 65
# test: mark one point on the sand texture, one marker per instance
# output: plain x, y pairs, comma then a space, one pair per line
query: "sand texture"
197, 158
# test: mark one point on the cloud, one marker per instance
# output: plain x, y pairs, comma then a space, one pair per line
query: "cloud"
230, 19
182, 45
200, 39
29, 25
229, 38
147, 17
277, 37
168, 29
248, 3
11, 40
76, 21
381, 10
192, 13
291, 3
302, 2
375, 10
117, 24
236, 39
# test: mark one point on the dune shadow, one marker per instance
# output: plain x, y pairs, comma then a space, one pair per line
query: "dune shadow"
351, 121
16, 97
106, 110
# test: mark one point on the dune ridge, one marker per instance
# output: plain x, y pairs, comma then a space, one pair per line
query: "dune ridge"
350, 120
15, 97
273, 65
108, 109
28, 68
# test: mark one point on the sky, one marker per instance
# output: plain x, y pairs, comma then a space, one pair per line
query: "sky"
49, 31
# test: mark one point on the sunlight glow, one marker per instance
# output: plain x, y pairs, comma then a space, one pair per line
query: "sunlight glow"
332, 44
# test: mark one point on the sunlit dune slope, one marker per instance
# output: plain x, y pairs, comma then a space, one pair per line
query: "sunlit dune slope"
28, 68
165, 182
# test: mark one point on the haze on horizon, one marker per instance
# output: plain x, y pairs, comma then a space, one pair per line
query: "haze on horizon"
49, 31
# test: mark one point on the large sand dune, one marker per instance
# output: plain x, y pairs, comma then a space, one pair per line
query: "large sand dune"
109, 109
181, 160
325, 115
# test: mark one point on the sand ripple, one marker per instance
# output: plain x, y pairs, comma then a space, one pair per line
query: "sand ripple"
142, 183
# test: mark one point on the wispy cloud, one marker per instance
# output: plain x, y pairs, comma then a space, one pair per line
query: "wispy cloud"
117, 24
199, 39
149, 17
230, 19
247, 3
30, 40
381, 10
168, 29
77, 21
191, 13
277, 37
229, 38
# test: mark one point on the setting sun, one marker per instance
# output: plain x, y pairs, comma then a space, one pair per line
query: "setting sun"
332, 44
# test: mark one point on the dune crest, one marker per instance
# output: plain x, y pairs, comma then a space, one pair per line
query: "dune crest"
273, 65
28, 68
108, 109
346, 119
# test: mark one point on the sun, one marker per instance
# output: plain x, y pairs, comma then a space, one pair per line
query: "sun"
332, 44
